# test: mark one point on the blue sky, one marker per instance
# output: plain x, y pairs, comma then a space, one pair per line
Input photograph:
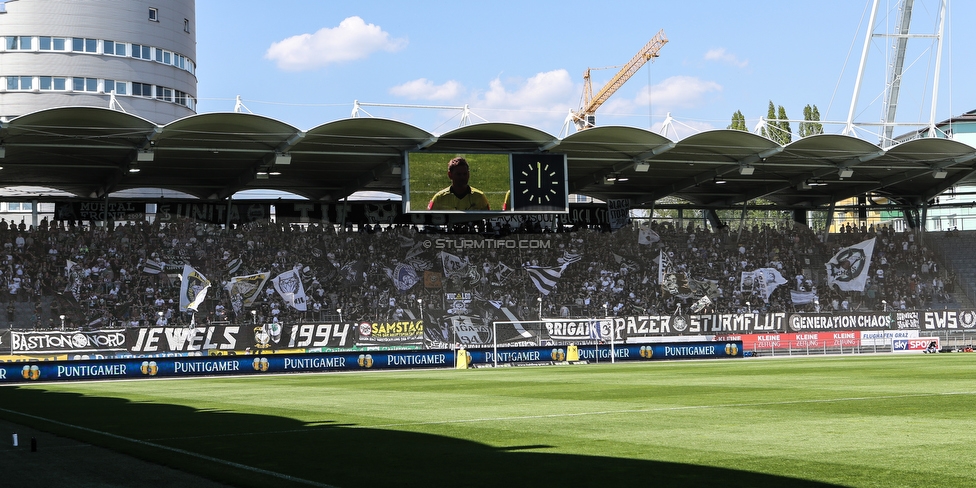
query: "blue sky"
305, 62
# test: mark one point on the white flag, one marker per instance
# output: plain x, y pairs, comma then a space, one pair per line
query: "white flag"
802, 297
193, 288
453, 265
849, 268
289, 286
767, 279
244, 290
647, 236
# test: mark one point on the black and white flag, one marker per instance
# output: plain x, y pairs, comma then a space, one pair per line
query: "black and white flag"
849, 268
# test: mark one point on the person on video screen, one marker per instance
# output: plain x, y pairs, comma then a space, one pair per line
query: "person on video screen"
460, 195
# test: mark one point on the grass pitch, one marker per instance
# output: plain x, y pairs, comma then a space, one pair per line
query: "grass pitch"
878, 420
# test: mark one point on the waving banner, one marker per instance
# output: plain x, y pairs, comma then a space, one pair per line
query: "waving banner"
289, 286
849, 268
193, 288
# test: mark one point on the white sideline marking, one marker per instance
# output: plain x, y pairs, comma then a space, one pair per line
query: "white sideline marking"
176, 450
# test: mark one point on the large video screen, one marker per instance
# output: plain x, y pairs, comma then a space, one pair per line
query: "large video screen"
488, 183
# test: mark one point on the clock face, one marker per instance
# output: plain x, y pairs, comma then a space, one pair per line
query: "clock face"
539, 181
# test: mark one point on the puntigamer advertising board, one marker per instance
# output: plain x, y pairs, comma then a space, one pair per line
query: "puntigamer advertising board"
351, 361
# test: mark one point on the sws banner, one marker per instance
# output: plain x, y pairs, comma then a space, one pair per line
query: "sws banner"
948, 320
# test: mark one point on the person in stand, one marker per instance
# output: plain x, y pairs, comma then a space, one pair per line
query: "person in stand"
460, 195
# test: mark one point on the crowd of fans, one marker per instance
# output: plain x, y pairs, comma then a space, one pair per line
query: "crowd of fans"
96, 276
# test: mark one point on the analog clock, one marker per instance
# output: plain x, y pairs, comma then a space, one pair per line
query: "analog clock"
539, 183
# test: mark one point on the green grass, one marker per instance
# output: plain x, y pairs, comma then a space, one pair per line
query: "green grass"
872, 421
490, 173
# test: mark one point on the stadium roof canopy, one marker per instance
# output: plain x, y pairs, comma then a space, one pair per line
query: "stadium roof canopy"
88, 152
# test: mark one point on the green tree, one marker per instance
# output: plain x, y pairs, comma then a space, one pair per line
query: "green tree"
785, 132
777, 127
766, 131
811, 121
738, 122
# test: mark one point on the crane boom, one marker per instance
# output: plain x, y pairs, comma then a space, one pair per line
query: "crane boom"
586, 116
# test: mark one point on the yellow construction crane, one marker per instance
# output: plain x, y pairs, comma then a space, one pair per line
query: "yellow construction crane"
585, 117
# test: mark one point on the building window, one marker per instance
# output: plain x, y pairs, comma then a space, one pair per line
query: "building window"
19, 207
53, 83
20, 83
114, 48
85, 45
186, 25
52, 43
118, 86
142, 90
153, 14
141, 52
163, 93
18, 43
84, 84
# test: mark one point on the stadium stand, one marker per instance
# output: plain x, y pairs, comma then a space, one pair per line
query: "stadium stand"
127, 276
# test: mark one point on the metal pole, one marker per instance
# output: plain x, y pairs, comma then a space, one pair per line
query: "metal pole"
938, 67
613, 354
849, 128
494, 333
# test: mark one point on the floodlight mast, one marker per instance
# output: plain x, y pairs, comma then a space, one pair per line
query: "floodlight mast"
585, 117
895, 67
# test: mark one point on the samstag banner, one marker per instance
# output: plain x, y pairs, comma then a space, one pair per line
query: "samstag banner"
406, 332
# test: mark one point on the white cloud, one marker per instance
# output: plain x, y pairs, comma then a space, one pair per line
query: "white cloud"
538, 101
352, 39
679, 92
539, 90
424, 89
676, 92
722, 55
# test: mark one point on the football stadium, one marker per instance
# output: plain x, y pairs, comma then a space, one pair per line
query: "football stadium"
490, 305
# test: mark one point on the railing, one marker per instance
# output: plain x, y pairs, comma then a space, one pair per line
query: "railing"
948, 341
797, 348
